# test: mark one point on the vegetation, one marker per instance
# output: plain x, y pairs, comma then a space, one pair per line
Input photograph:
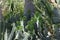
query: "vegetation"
29, 20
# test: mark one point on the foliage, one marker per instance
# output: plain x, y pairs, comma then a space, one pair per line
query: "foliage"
13, 11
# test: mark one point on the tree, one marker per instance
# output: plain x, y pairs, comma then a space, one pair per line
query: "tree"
1, 17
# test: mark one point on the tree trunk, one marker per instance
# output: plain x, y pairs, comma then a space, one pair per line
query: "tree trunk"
0, 20
28, 10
